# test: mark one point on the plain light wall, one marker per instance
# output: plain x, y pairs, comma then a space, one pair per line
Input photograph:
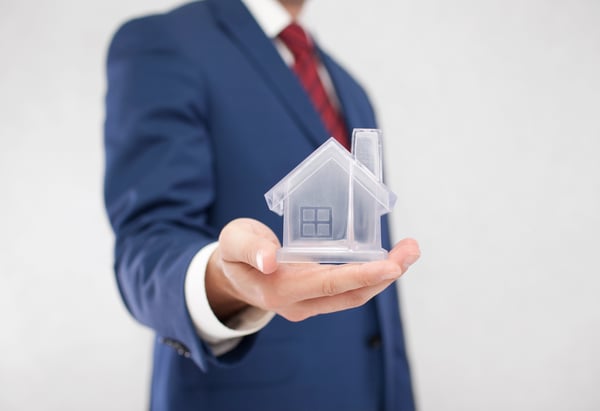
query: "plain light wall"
491, 112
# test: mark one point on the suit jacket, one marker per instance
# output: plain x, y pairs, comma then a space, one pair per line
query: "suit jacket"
202, 118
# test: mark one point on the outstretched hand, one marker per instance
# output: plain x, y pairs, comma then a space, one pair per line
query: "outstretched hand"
243, 271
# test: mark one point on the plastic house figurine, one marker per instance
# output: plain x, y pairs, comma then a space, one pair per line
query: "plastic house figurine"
332, 203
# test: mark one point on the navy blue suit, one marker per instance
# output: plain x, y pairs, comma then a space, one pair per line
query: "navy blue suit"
202, 118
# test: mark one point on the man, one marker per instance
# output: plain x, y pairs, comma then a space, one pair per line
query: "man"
207, 107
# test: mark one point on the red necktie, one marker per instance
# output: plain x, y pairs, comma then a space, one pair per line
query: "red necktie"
306, 68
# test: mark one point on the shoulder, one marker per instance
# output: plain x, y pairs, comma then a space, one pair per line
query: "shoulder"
177, 28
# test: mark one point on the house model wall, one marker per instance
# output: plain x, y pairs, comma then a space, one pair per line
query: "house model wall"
332, 203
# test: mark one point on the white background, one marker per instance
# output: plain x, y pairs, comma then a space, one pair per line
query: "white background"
491, 111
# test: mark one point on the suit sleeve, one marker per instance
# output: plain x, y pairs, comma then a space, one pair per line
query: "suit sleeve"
158, 181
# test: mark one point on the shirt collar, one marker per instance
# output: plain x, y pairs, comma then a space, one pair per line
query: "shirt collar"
270, 15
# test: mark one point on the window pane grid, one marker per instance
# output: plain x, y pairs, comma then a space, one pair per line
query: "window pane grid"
316, 222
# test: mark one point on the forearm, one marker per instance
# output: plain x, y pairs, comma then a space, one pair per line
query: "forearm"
151, 267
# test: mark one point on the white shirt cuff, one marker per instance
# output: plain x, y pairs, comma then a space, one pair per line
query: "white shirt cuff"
221, 338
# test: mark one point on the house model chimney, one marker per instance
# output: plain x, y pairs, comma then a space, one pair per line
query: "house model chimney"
366, 148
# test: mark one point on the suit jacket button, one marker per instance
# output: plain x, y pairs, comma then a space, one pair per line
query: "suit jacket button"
375, 341
177, 346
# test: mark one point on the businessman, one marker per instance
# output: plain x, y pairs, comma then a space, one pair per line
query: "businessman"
207, 107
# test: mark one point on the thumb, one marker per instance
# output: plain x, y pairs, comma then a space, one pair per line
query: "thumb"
250, 242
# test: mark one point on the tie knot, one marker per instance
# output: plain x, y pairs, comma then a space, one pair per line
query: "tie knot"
296, 40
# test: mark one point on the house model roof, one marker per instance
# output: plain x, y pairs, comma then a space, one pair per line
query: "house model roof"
329, 151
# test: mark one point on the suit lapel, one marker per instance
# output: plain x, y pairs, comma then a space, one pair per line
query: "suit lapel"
358, 115
240, 26
355, 114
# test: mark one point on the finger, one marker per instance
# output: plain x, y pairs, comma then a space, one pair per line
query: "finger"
405, 253
299, 283
323, 305
291, 284
250, 242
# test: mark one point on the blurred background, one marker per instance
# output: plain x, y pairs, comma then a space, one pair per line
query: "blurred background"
491, 112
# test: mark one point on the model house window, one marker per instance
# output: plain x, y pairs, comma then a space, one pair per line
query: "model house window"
316, 222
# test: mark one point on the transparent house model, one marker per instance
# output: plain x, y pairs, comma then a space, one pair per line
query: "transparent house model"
332, 203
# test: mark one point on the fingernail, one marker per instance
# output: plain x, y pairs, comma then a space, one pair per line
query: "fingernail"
409, 260
259, 261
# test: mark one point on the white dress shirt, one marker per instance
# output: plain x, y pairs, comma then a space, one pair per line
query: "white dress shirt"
272, 18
